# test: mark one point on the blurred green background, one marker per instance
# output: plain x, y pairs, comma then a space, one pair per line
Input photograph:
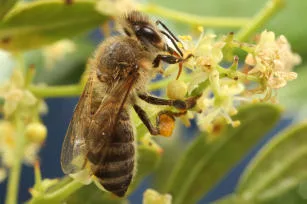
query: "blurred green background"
68, 69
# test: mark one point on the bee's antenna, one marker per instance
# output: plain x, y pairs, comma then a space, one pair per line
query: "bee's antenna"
168, 30
172, 40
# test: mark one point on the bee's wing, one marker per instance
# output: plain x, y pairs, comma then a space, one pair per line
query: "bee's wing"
93, 132
103, 124
74, 148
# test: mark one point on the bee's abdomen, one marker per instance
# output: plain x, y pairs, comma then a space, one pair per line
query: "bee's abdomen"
114, 165
115, 176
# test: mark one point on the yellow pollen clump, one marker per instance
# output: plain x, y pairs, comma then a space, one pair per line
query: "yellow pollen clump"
166, 125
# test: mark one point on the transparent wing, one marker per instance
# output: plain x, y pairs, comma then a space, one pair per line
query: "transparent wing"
73, 153
105, 119
92, 132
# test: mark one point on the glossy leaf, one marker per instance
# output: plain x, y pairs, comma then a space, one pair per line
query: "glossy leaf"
204, 164
229, 199
32, 25
90, 194
293, 96
277, 168
7, 65
66, 70
296, 195
148, 159
5, 7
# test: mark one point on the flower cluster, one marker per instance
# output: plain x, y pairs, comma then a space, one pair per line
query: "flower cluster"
222, 88
19, 104
273, 60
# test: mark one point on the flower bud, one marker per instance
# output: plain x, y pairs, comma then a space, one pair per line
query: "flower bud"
153, 197
36, 132
176, 89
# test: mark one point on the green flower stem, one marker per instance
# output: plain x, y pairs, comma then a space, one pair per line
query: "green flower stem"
263, 16
249, 48
225, 22
76, 89
58, 195
241, 76
64, 192
56, 91
13, 182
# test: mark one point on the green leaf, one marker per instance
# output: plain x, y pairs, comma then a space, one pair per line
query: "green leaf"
5, 7
66, 70
229, 199
204, 164
278, 167
90, 194
173, 148
293, 96
38, 23
7, 65
148, 159
295, 195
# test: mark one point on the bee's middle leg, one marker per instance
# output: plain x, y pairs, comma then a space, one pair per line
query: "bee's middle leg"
179, 104
165, 121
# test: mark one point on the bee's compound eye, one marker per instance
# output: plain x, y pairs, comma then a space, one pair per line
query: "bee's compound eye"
148, 33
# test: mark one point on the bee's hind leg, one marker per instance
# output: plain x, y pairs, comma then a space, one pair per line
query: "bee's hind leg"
165, 121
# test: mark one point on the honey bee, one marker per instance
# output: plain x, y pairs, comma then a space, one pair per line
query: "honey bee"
100, 132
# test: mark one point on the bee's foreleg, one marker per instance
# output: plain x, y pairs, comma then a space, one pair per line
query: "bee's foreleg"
170, 59
165, 121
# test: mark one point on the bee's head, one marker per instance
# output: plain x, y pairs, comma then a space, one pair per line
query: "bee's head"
138, 25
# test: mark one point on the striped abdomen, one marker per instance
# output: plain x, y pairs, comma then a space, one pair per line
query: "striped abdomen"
114, 164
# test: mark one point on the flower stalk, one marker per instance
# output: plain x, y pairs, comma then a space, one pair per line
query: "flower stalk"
57, 195
224, 22
272, 7
14, 177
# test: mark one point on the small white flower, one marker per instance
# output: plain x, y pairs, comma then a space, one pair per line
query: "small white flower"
31, 153
207, 51
219, 106
273, 60
19, 100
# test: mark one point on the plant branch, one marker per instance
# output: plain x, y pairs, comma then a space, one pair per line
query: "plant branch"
64, 192
58, 195
76, 89
225, 22
241, 76
263, 16
56, 91
13, 182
